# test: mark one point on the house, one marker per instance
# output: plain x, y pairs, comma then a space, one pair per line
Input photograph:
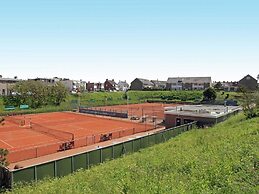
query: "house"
159, 85
230, 86
123, 86
94, 86
49, 81
188, 83
248, 83
74, 86
141, 84
6, 85
110, 85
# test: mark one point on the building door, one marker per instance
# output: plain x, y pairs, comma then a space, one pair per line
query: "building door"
178, 121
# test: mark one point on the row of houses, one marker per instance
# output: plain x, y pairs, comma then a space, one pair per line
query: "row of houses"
172, 83
73, 86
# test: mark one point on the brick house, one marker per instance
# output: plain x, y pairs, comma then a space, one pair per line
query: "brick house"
94, 86
110, 85
141, 84
248, 83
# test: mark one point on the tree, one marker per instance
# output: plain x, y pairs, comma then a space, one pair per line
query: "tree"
250, 103
218, 86
3, 157
33, 93
36, 94
58, 94
209, 94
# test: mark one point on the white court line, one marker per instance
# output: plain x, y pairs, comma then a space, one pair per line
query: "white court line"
6, 143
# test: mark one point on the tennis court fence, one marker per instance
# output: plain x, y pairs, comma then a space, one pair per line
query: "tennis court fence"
51, 148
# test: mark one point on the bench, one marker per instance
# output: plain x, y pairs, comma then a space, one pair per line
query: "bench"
24, 106
7, 108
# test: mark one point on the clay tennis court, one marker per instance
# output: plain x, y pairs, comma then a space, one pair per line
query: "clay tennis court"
30, 136
140, 110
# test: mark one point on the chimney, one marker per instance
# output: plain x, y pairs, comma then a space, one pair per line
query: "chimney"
1, 76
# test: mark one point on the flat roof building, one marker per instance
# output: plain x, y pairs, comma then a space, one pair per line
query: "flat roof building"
205, 115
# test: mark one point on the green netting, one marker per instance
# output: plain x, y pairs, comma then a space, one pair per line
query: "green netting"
107, 154
159, 138
80, 161
151, 140
136, 145
94, 157
117, 150
144, 142
64, 167
46, 170
128, 147
24, 175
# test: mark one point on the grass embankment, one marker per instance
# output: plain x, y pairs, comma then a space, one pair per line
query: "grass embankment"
115, 98
222, 159
109, 98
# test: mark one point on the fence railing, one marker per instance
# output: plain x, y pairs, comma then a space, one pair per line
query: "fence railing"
46, 149
67, 165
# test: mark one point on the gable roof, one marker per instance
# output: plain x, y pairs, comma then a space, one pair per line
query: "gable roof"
145, 82
112, 82
189, 79
248, 77
157, 82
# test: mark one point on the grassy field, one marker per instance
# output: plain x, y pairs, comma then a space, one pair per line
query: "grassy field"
222, 159
114, 98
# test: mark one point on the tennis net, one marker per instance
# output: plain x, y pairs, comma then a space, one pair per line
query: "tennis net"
60, 135
14, 120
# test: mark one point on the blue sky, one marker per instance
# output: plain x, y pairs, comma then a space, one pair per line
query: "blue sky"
123, 39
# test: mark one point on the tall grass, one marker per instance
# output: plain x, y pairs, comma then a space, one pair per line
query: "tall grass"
222, 159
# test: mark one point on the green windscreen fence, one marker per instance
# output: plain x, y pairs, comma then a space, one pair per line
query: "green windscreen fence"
85, 160
128, 147
94, 157
64, 167
118, 150
24, 175
81, 161
136, 145
144, 142
107, 154
46, 171
152, 140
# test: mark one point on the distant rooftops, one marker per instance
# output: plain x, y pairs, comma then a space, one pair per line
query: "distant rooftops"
189, 79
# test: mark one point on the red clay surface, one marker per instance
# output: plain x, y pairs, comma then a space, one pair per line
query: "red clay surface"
140, 110
25, 143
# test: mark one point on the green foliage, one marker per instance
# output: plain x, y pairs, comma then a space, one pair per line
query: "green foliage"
58, 94
3, 157
209, 94
250, 103
36, 94
218, 86
222, 159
